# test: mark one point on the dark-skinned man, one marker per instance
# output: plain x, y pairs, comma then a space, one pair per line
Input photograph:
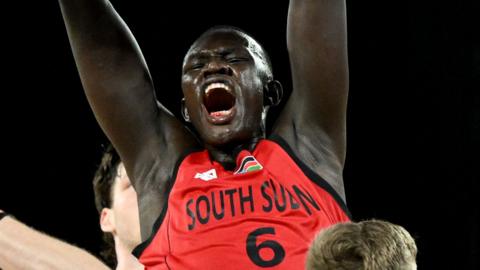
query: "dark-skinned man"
237, 198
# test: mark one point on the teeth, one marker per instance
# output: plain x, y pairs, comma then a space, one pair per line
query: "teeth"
220, 113
216, 85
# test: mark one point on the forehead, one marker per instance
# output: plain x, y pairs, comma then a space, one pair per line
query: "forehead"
220, 42
121, 177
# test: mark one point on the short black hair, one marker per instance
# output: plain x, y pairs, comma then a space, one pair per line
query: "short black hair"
252, 43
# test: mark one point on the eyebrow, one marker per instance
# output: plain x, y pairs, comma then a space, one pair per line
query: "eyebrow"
222, 51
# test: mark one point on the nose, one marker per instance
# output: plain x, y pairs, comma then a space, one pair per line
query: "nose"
217, 68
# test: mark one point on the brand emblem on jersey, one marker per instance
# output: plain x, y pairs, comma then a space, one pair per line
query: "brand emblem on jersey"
248, 164
207, 176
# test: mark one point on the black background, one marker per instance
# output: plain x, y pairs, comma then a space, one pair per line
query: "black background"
413, 116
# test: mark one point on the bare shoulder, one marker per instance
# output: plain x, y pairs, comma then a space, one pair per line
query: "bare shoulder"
313, 121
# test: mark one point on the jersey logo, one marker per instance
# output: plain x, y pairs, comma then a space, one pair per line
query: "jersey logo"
248, 164
207, 176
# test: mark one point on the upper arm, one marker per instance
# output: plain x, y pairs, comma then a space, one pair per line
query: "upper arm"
119, 88
314, 118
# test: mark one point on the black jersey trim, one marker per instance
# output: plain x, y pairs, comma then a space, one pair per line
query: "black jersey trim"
138, 250
313, 176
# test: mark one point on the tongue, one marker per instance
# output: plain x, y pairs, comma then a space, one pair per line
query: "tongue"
219, 113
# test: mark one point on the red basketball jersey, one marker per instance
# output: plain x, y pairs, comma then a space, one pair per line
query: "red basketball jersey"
264, 214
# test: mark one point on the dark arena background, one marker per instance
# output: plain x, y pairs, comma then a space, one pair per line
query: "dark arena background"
413, 115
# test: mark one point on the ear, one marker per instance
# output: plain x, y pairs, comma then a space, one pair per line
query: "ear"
185, 114
272, 93
107, 220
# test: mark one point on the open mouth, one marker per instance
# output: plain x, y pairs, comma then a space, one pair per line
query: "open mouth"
218, 100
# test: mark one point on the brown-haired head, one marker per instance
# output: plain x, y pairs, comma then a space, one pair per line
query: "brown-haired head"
103, 182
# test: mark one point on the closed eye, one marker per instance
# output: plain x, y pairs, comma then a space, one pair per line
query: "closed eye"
197, 66
236, 60
194, 67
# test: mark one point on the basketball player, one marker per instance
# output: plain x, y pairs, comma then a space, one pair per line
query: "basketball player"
235, 194
22, 247
366, 245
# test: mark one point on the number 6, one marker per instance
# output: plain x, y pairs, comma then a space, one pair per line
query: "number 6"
253, 250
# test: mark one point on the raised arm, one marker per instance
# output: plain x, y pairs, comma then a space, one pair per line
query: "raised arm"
120, 91
314, 119
24, 248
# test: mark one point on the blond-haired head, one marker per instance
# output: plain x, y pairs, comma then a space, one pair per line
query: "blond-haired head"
365, 245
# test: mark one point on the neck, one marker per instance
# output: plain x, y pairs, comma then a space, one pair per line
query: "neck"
125, 259
227, 154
